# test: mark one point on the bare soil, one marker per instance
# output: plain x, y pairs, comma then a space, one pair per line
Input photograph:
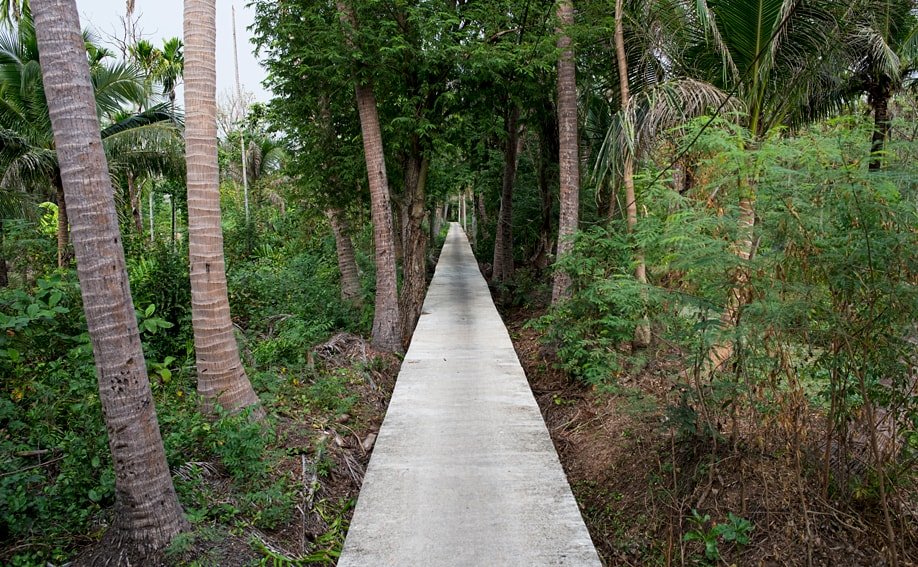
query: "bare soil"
637, 479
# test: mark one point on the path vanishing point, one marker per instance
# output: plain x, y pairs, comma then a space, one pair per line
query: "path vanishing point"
464, 472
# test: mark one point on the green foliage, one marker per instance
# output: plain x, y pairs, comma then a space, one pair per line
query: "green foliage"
605, 307
58, 472
330, 392
240, 443
159, 277
288, 295
735, 530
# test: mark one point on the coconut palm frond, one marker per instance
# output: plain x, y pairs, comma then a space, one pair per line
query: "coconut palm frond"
154, 115
117, 85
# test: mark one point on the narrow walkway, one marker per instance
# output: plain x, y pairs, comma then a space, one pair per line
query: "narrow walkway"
464, 472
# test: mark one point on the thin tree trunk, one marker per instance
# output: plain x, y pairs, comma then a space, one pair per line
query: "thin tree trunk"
414, 264
568, 144
152, 226
879, 100
134, 196
63, 225
147, 512
503, 241
480, 209
347, 263
540, 258
642, 330
722, 350
4, 267
221, 377
387, 332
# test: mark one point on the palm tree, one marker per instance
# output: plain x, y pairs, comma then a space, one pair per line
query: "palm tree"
642, 330
13, 9
147, 512
28, 160
221, 377
649, 100
779, 57
569, 160
171, 67
884, 44
387, 324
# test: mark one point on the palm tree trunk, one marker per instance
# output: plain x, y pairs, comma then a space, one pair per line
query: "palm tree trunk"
147, 512
63, 225
134, 197
642, 330
221, 377
879, 100
347, 263
414, 263
387, 332
722, 350
568, 143
503, 241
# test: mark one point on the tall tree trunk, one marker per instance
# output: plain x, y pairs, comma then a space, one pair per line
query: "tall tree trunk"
548, 154
387, 332
134, 197
63, 225
568, 144
221, 376
503, 241
879, 100
347, 263
722, 349
414, 263
480, 209
4, 267
147, 512
642, 331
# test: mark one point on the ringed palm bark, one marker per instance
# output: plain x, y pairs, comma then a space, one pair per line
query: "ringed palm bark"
221, 377
147, 511
387, 324
568, 144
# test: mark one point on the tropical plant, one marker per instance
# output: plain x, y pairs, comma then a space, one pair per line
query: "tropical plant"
882, 40
148, 514
144, 141
222, 379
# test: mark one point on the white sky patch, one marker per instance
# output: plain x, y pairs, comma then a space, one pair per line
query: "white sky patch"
163, 19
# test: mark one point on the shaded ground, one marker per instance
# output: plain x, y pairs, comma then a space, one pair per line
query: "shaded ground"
642, 485
323, 439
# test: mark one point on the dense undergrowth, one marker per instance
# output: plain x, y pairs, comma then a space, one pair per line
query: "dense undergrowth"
251, 491
802, 449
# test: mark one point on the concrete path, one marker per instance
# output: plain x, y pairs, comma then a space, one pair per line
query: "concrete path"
464, 472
